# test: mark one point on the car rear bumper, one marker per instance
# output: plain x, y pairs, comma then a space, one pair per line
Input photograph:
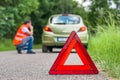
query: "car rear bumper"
51, 39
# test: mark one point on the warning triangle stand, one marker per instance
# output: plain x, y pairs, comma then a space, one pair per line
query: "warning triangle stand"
73, 42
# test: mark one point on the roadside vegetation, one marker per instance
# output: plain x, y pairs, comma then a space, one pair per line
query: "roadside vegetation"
6, 45
104, 47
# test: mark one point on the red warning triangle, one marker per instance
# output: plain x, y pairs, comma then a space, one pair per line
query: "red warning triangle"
73, 42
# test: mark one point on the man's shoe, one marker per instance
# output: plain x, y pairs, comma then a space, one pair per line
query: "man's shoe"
30, 52
18, 50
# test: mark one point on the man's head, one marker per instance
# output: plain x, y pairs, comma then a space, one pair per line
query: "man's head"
28, 23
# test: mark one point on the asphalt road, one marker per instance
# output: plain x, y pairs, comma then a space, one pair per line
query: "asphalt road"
15, 66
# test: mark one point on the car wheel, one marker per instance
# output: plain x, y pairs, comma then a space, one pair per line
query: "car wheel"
86, 46
50, 49
44, 49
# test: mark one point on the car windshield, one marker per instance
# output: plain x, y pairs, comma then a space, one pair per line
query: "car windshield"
65, 20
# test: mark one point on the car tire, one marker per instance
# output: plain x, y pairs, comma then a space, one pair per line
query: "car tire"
44, 49
50, 49
86, 46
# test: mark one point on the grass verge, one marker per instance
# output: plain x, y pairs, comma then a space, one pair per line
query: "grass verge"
6, 45
105, 49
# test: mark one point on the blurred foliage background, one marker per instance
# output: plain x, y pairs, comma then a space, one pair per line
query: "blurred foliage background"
14, 12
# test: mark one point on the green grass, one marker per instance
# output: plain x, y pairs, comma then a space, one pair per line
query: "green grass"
6, 45
105, 49
37, 46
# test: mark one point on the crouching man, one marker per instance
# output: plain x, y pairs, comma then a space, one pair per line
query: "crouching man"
24, 38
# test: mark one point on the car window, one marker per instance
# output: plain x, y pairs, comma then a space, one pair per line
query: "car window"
65, 20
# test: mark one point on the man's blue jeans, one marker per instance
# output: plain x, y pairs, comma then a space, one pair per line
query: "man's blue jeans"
26, 43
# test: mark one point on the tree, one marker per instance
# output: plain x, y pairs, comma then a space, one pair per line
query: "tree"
13, 13
97, 11
117, 2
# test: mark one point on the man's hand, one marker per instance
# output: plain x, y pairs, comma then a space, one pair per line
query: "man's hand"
31, 27
30, 31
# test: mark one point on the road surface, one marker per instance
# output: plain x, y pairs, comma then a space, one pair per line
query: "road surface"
15, 66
